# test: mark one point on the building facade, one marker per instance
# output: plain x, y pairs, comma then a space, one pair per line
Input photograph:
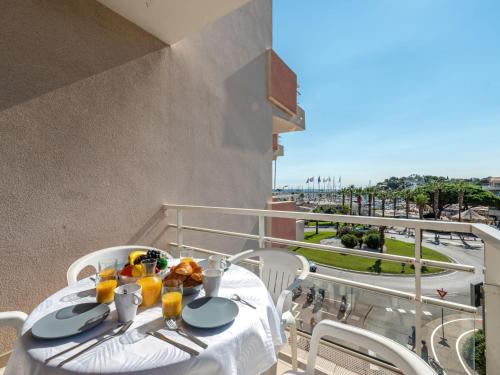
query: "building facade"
109, 109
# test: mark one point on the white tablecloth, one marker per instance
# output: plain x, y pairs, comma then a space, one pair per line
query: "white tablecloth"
248, 346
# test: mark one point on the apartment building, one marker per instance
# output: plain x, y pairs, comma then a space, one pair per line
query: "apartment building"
110, 108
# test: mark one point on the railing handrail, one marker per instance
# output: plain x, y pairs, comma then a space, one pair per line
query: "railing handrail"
483, 231
489, 236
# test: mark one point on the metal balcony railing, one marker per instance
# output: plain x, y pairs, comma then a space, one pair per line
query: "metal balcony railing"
489, 235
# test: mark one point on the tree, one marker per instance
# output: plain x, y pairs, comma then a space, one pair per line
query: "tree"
461, 193
394, 195
407, 195
344, 192
421, 200
383, 195
359, 192
351, 191
436, 187
369, 193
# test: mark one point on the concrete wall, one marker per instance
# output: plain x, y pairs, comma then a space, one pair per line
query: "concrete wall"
281, 227
100, 123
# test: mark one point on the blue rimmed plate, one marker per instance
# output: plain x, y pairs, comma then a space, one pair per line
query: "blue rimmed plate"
210, 312
70, 321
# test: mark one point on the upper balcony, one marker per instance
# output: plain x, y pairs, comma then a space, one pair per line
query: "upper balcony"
172, 20
282, 92
284, 122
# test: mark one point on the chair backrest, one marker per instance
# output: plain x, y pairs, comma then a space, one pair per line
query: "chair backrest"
118, 252
404, 359
13, 319
279, 268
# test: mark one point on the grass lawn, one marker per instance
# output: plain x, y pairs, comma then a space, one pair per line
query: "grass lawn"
321, 223
357, 263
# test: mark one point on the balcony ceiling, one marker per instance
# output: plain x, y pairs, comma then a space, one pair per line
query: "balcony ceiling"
283, 122
172, 20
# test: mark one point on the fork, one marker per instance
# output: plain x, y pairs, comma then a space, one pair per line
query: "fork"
121, 331
172, 326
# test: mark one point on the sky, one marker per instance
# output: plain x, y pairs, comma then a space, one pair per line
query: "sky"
391, 88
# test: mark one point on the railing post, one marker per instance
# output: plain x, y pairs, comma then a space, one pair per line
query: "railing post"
180, 234
262, 231
492, 306
418, 290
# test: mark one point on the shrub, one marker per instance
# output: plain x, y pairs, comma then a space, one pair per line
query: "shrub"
474, 352
349, 240
358, 232
377, 266
343, 230
360, 242
372, 240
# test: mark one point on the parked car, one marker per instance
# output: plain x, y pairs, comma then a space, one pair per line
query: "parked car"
312, 267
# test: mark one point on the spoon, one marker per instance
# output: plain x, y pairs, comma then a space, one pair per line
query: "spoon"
236, 297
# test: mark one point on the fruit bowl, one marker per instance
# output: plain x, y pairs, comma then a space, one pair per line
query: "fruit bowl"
133, 270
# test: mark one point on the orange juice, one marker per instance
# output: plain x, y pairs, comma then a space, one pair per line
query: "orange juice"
187, 260
105, 291
171, 303
107, 273
151, 290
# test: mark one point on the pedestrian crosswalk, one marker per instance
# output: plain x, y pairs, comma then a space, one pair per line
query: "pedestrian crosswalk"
403, 311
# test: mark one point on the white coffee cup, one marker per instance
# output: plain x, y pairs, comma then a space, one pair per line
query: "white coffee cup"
212, 278
127, 298
217, 262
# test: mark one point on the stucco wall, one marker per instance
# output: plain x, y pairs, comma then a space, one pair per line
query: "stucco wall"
100, 124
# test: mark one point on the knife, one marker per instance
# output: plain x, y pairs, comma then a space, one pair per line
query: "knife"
120, 332
111, 330
187, 349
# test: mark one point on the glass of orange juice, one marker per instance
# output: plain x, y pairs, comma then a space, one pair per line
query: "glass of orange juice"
150, 283
106, 281
171, 299
187, 255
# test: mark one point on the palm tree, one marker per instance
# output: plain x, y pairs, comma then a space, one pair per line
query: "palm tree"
461, 193
421, 200
359, 193
436, 189
394, 194
407, 195
344, 192
351, 191
369, 193
383, 195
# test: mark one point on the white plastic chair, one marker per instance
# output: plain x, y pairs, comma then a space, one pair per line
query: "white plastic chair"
278, 271
118, 252
401, 357
13, 319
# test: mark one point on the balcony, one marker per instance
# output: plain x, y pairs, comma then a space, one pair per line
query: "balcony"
280, 151
390, 311
171, 21
284, 122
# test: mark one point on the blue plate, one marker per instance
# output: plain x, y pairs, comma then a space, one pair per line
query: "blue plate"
204, 264
210, 312
70, 320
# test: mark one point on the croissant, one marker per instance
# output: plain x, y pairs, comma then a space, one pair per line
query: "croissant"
184, 269
196, 276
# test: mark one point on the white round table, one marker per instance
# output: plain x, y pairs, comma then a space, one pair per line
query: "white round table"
247, 346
